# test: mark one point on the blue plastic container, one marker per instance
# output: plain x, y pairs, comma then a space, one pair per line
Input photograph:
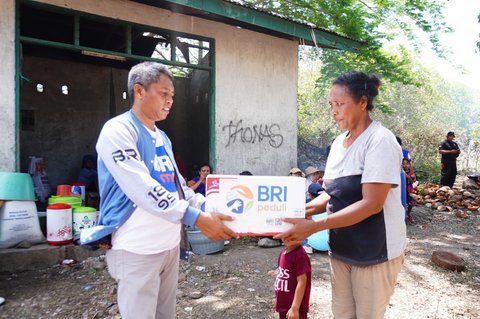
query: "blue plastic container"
200, 243
319, 240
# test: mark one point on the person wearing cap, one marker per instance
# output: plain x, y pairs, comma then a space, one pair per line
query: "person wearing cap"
449, 151
295, 172
313, 175
314, 190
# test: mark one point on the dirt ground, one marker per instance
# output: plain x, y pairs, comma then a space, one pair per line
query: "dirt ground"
234, 284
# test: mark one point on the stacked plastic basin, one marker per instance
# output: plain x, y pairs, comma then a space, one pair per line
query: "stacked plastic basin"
81, 216
16, 186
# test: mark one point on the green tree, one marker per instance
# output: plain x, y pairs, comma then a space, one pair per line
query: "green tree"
416, 104
375, 22
420, 115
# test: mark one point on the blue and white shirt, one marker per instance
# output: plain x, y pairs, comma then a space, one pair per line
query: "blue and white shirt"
139, 198
374, 157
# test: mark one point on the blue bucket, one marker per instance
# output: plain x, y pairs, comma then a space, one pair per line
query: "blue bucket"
200, 243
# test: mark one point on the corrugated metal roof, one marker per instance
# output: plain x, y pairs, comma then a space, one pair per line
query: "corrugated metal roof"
236, 13
308, 24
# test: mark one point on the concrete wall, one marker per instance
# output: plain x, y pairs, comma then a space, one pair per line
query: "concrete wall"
256, 86
7, 87
66, 127
256, 120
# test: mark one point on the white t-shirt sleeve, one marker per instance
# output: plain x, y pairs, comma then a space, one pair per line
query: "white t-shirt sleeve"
383, 157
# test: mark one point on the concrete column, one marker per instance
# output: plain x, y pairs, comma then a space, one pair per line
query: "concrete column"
7, 86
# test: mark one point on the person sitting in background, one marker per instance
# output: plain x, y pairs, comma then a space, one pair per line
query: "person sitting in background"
295, 172
197, 184
312, 175
88, 173
313, 191
405, 152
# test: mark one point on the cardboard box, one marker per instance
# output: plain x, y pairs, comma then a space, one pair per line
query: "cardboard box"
258, 203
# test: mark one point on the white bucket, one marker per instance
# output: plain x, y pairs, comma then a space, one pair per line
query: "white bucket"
83, 217
59, 224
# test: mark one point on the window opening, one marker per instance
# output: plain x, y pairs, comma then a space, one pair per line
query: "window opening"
102, 35
46, 25
106, 38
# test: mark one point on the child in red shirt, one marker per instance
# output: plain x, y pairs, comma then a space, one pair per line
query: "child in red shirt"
293, 282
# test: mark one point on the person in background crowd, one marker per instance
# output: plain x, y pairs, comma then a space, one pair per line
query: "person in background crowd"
450, 151
314, 190
405, 152
411, 179
295, 172
403, 177
197, 184
88, 173
313, 175
145, 201
366, 219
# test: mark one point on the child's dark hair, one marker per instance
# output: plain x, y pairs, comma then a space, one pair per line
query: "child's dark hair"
360, 84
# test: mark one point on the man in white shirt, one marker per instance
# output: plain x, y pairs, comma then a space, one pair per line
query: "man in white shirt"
145, 201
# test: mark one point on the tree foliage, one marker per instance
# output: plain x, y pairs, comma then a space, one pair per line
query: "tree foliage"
420, 115
375, 22
415, 103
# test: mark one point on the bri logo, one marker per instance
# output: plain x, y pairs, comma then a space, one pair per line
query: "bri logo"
213, 185
239, 199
